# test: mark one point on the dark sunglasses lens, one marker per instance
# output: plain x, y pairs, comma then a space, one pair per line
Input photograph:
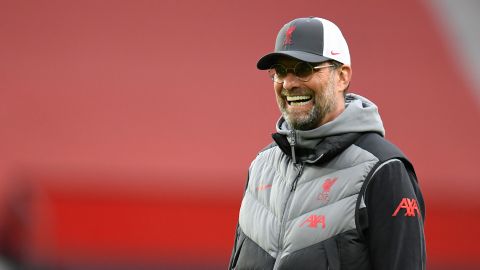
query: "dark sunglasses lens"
303, 70
280, 70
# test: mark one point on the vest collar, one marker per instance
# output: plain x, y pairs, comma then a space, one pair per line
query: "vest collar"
322, 150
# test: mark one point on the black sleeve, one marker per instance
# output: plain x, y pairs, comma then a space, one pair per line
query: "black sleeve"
396, 214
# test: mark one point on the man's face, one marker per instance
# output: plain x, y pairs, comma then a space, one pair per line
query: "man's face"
307, 105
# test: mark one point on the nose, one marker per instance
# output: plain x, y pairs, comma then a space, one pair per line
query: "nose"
291, 81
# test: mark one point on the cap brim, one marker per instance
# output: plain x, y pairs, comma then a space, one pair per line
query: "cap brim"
268, 60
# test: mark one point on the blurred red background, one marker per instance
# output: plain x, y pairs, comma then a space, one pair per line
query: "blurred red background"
128, 126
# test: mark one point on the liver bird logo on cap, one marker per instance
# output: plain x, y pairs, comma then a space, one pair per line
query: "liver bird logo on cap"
288, 36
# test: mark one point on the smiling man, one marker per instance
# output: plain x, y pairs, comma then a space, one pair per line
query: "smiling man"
313, 104
330, 192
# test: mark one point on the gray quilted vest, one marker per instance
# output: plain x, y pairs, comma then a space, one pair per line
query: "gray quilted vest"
290, 207
301, 206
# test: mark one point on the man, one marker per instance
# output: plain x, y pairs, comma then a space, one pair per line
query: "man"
330, 192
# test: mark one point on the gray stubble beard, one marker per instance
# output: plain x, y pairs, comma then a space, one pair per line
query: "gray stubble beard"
321, 107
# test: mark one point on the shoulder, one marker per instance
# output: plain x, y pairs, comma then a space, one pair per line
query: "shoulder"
379, 146
383, 149
393, 173
270, 146
267, 156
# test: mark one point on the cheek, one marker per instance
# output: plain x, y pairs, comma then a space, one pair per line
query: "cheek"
277, 88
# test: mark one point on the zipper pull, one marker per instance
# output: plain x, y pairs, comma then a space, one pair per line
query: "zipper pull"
293, 141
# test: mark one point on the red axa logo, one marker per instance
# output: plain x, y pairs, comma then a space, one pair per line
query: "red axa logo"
410, 206
327, 185
313, 221
288, 35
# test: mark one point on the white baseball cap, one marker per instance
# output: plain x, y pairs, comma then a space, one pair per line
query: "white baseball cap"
312, 40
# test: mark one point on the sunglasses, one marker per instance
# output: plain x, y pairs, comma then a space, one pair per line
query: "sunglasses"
303, 71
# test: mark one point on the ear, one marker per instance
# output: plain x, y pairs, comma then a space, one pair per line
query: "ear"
344, 77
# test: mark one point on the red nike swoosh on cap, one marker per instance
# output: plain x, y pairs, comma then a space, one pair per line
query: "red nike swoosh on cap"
334, 52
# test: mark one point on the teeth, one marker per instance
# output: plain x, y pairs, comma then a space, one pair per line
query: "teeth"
298, 103
297, 98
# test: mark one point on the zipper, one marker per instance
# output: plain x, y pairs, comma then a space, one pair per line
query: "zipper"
295, 181
284, 216
293, 142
